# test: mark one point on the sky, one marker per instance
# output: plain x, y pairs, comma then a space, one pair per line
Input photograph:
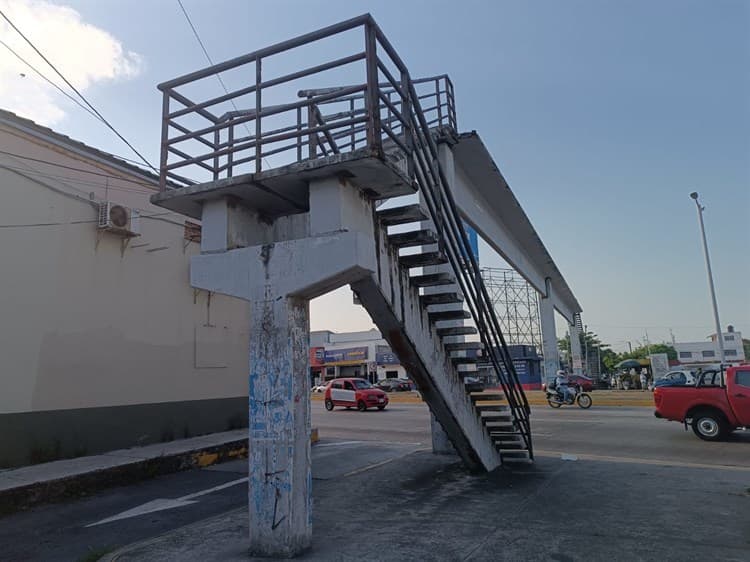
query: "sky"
602, 115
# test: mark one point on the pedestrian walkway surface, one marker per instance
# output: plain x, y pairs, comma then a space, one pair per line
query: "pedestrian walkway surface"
427, 507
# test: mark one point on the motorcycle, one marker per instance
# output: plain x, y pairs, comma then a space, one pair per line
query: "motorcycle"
581, 398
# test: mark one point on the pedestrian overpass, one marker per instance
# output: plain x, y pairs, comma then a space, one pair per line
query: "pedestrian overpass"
288, 176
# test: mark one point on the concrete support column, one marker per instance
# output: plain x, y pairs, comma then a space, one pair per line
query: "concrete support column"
280, 482
441, 443
576, 358
549, 334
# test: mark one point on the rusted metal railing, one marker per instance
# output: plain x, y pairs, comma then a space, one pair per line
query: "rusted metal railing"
386, 113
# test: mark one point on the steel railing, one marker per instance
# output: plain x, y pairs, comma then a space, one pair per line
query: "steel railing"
387, 114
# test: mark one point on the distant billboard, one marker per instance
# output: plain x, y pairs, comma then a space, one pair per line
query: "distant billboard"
659, 365
348, 355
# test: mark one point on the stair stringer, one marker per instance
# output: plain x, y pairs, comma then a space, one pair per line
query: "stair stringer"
395, 308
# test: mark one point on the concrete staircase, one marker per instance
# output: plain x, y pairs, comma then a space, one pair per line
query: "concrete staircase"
407, 305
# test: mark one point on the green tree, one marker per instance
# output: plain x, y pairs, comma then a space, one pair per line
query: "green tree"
746, 347
644, 351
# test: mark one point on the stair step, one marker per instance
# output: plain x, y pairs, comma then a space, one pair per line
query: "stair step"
509, 445
412, 238
502, 435
495, 416
402, 215
420, 260
487, 395
456, 331
463, 346
441, 298
463, 360
444, 315
432, 279
508, 454
482, 408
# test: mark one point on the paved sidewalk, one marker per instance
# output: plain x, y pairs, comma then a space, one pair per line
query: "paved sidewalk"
426, 507
21, 488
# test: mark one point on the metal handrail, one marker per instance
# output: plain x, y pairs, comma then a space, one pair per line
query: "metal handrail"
387, 107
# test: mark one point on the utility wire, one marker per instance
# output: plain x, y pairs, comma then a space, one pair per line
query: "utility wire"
145, 184
211, 62
86, 221
77, 181
43, 77
80, 95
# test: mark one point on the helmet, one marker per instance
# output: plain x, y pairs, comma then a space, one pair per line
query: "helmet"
560, 373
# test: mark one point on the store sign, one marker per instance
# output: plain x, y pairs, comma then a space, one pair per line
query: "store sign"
386, 358
317, 356
659, 365
348, 355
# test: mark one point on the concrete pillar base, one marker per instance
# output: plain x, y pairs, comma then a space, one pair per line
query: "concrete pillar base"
441, 444
280, 481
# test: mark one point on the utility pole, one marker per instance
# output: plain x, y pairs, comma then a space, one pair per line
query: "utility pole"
586, 350
719, 338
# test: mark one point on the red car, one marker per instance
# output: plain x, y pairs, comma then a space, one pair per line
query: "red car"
352, 393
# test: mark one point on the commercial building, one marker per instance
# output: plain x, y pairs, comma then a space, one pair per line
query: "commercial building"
104, 343
352, 354
708, 351
527, 364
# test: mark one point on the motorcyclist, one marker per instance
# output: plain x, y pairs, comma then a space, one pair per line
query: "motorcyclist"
562, 384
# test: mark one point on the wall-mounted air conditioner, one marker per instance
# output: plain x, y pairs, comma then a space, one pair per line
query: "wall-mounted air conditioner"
119, 219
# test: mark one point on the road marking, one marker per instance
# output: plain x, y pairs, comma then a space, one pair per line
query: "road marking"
338, 444
634, 460
165, 503
381, 463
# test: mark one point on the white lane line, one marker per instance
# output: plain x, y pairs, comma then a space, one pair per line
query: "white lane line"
635, 460
339, 444
161, 504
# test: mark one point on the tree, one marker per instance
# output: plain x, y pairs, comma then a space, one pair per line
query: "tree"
746, 347
597, 350
644, 351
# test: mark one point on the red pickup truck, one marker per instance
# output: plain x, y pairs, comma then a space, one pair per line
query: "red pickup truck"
716, 405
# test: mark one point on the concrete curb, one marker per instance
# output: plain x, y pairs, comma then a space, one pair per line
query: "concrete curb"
84, 483
58, 489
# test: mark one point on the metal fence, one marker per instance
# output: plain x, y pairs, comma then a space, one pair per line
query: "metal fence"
384, 113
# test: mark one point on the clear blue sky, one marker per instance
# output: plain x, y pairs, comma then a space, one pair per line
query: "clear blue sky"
602, 115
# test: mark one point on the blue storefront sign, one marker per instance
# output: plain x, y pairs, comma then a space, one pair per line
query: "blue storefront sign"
473, 241
348, 355
386, 358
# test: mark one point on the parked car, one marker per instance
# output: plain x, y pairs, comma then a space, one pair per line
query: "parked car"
676, 378
319, 387
393, 385
352, 392
717, 404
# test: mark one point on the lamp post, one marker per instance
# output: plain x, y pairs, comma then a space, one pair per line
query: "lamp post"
719, 338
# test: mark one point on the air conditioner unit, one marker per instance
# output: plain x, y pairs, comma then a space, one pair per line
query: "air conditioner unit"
119, 219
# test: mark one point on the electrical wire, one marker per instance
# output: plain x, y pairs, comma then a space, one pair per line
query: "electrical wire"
80, 95
78, 181
145, 184
50, 82
87, 221
211, 62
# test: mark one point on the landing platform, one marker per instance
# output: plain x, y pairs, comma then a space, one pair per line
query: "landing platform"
285, 190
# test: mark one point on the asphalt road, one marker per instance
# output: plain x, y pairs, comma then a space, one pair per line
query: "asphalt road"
629, 434
352, 442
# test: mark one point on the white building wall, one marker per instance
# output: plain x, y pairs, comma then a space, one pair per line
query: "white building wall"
708, 351
88, 322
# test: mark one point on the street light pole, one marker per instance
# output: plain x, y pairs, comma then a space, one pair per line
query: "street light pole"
719, 337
